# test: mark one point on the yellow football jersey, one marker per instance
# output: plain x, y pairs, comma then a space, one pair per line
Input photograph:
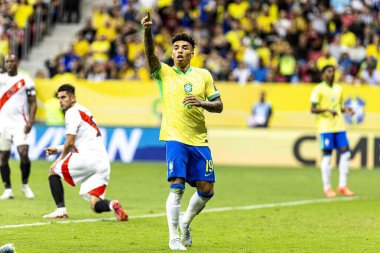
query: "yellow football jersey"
182, 123
327, 97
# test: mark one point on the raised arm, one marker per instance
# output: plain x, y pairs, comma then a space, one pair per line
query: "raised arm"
150, 54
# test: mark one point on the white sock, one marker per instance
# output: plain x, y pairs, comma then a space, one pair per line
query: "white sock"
62, 209
344, 164
326, 171
173, 209
196, 205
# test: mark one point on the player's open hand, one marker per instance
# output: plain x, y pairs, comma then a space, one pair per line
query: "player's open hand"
147, 21
193, 101
51, 151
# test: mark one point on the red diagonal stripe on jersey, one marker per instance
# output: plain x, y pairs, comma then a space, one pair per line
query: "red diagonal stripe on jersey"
65, 171
12, 90
89, 121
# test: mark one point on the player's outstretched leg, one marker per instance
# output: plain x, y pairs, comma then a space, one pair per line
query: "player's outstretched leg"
56, 188
103, 205
173, 209
197, 202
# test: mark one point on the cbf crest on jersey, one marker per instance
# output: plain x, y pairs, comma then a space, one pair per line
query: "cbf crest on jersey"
188, 87
358, 105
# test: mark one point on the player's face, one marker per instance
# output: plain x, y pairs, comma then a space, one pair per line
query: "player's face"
329, 74
66, 100
182, 53
11, 63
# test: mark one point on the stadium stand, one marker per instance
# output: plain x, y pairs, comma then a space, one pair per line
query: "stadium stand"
243, 41
24, 23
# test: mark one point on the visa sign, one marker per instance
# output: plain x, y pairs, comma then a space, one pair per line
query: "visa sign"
122, 144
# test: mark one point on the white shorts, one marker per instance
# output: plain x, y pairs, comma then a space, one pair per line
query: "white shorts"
13, 135
91, 172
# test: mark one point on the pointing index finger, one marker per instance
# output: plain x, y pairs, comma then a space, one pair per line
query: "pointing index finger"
148, 15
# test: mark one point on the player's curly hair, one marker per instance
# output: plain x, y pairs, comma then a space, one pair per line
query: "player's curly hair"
183, 37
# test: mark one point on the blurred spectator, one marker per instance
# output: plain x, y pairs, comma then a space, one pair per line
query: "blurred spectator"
260, 73
348, 38
81, 46
357, 53
98, 73
288, 65
325, 60
242, 74
100, 49
67, 58
4, 47
54, 115
23, 11
40, 74
62, 76
370, 76
261, 113
71, 10
52, 66
88, 31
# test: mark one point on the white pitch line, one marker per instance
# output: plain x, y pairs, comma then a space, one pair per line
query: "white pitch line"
211, 210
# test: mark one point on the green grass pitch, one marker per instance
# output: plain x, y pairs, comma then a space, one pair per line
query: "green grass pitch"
339, 226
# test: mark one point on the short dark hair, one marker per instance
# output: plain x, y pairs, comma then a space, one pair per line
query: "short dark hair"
184, 37
326, 67
68, 88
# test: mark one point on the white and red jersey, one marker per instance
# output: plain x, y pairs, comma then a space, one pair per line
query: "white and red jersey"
14, 105
80, 122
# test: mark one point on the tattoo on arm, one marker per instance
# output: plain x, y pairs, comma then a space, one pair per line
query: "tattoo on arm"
215, 105
152, 59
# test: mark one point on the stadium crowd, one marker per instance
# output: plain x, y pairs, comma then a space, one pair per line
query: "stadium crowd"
243, 41
24, 23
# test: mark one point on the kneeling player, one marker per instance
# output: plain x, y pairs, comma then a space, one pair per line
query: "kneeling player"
83, 160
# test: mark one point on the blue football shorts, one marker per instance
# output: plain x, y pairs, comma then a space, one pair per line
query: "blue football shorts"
193, 163
330, 141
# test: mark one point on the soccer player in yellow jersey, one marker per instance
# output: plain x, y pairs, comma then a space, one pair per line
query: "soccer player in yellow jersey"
327, 103
185, 92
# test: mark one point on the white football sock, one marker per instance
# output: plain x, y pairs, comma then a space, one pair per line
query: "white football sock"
196, 205
326, 171
62, 209
173, 209
344, 164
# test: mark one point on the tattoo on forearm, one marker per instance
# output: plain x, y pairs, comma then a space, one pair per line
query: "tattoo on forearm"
214, 106
152, 59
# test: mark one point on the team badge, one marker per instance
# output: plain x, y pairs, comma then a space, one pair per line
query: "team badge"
188, 88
